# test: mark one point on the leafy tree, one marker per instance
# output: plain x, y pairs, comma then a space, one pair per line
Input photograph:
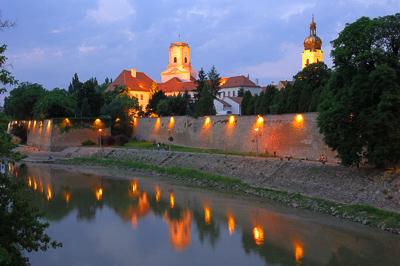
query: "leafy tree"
174, 105
120, 111
21, 228
155, 99
214, 81
248, 104
359, 114
22, 99
88, 97
55, 103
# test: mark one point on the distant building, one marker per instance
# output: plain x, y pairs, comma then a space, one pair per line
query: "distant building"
229, 105
312, 47
179, 65
137, 84
180, 78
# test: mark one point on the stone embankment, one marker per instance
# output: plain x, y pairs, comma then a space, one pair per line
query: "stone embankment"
332, 182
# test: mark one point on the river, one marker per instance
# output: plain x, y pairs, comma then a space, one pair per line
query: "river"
104, 219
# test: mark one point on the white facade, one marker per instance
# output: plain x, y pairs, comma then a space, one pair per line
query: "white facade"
233, 92
227, 106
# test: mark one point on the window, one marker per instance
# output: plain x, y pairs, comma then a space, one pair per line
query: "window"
308, 62
141, 97
185, 60
136, 96
317, 60
233, 93
229, 93
175, 60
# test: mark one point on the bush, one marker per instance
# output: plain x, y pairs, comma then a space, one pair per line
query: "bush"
107, 140
121, 140
88, 143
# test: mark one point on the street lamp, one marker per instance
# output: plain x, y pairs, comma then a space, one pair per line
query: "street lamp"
100, 130
257, 133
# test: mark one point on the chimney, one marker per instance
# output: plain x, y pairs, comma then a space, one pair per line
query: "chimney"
133, 72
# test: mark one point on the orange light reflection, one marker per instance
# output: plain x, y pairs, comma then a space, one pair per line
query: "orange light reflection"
258, 235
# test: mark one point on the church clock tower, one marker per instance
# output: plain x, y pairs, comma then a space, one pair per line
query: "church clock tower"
179, 65
312, 47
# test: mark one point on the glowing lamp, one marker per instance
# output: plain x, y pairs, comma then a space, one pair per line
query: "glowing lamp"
299, 118
97, 122
99, 194
100, 130
207, 121
117, 120
256, 129
231, 119
260, 120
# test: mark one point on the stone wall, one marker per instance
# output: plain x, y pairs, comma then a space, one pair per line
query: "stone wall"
283, 135
46, 135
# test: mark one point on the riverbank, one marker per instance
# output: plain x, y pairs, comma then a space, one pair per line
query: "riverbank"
362, 195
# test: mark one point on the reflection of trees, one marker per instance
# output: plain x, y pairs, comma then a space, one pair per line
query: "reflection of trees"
345, 256
207, 231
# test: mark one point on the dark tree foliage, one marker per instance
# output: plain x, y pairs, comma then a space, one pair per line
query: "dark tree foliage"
206, 91
174, 105
359, 115
21, 226
54, 103
88, 97
119, 111
155, 99
20, 104
303, 95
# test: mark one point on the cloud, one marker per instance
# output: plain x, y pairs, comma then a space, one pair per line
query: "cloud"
31, 55
85, 49
284, 68
108, 11
295, 9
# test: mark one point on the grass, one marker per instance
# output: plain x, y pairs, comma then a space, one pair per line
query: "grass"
365, 214
149, 146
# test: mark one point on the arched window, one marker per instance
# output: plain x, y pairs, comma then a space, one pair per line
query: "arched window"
317, 60
308, 62
185, 60
175, 60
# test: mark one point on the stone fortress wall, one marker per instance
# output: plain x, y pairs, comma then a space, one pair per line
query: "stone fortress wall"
48, 136
283, 135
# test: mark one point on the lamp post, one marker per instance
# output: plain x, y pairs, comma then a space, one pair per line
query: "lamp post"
256, 130
100, 130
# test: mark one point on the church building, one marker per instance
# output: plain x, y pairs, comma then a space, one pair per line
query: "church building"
312, 47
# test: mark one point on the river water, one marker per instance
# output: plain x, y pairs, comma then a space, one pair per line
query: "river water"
145, 220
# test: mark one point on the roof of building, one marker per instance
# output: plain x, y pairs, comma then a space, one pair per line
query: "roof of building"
141, 82
237, 100
225, 104
236, 81
313, 42
177, 85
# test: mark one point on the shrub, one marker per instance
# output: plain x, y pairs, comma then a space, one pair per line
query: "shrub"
88, 143
121, 140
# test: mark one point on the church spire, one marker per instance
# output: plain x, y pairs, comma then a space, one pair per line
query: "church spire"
313, 27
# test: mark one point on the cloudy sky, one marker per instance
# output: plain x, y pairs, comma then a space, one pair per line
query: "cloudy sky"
262, 38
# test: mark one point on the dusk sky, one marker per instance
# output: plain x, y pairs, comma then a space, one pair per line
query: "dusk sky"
54, 39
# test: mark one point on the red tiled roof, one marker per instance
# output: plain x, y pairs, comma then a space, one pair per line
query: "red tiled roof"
141, 83
237, 81
237, 100
177, 85
225, 104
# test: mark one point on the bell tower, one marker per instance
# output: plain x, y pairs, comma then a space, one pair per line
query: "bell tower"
179, 65
312, 47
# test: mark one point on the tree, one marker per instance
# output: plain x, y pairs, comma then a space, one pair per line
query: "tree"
120, 110
359, 113
88, 97
22, 99
248, 104
206, 92
174, 105
214, 81
55, 103
155, 99
21, 227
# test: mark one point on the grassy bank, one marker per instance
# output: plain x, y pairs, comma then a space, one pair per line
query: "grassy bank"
150, 146
367, 215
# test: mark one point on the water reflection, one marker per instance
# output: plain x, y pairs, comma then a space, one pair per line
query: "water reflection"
187, 221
